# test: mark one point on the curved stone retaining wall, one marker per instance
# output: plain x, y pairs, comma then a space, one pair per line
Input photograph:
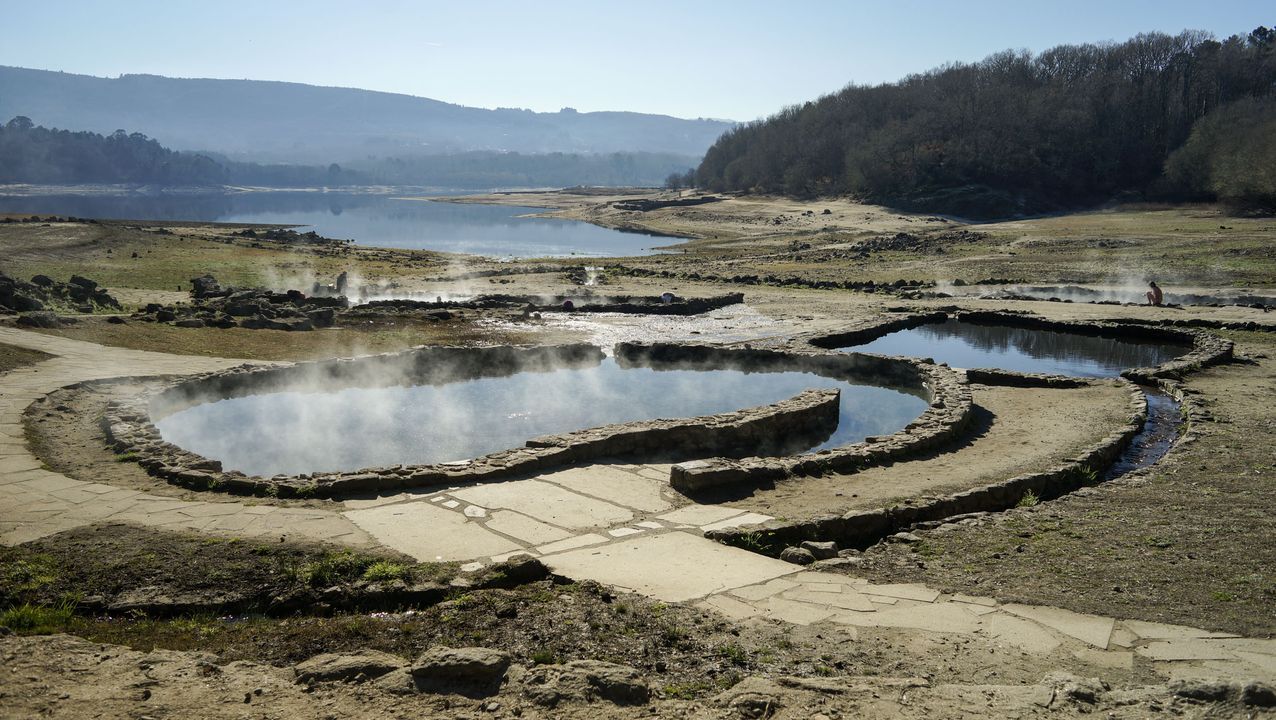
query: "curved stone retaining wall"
859, 528
811, 415
944, 420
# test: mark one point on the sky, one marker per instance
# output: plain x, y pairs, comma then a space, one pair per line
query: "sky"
737, 60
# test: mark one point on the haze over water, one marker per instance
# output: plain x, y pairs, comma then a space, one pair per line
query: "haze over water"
372, 220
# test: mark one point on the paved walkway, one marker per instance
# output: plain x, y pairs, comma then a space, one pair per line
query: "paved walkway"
617, 524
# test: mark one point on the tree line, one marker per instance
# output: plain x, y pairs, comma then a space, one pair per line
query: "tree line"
33, 154
1159, 116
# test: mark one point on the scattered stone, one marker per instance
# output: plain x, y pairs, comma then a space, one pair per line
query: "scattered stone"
1206, 690
904, 537
821, 550
361, 666
797, 556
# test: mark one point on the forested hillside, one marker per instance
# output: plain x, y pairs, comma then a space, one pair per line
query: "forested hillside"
1182, 117
33, 154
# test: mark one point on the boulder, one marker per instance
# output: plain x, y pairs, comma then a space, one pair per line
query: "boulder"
24, 303
586, 680
321, 317
165, 315
821, 550
83, 282
797, 556
205, 286
444, 669
190, 323
751, 698
1258, 695
43, 281
40, 319
364, 665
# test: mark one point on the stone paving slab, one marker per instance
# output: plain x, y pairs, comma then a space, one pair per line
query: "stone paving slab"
525, 529
619, 487
429, 533
1091, 629
700, 514
673, 567
1161, 631
546, 502
1023, 634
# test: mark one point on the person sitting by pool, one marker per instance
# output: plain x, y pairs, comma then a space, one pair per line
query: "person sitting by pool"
1154, 295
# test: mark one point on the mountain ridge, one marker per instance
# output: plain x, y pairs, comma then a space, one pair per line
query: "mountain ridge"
298, 122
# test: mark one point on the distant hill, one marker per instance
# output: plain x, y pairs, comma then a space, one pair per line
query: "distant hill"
295, 123
1158, 116
30, 153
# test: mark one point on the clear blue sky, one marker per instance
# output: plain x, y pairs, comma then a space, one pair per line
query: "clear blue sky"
694, 58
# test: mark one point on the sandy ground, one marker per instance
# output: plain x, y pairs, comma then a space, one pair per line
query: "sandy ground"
1016, 431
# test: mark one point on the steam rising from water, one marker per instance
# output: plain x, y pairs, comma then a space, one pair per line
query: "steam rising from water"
310, 430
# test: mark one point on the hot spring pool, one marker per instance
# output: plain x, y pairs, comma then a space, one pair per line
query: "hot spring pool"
967, 345
295, 432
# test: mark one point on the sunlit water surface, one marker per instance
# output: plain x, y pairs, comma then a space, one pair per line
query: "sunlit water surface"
375, 220
300, 432
966, 345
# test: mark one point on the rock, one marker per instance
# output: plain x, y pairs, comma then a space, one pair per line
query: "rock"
619, 684
1258, 694
190, 323
751, 698
165, 315
1207, 690
517, 570
586, 680
364, 665
42, 281
797, 556
444, 669
40, 319
205, 286
24, 303
321, 317
904, 537
117, 320
821, 550
83, 282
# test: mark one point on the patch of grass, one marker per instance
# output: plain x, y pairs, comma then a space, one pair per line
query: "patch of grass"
20, 575
1028, 499
28, 619
383, 570
734, 654
124, 457
544, 656
331, 568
